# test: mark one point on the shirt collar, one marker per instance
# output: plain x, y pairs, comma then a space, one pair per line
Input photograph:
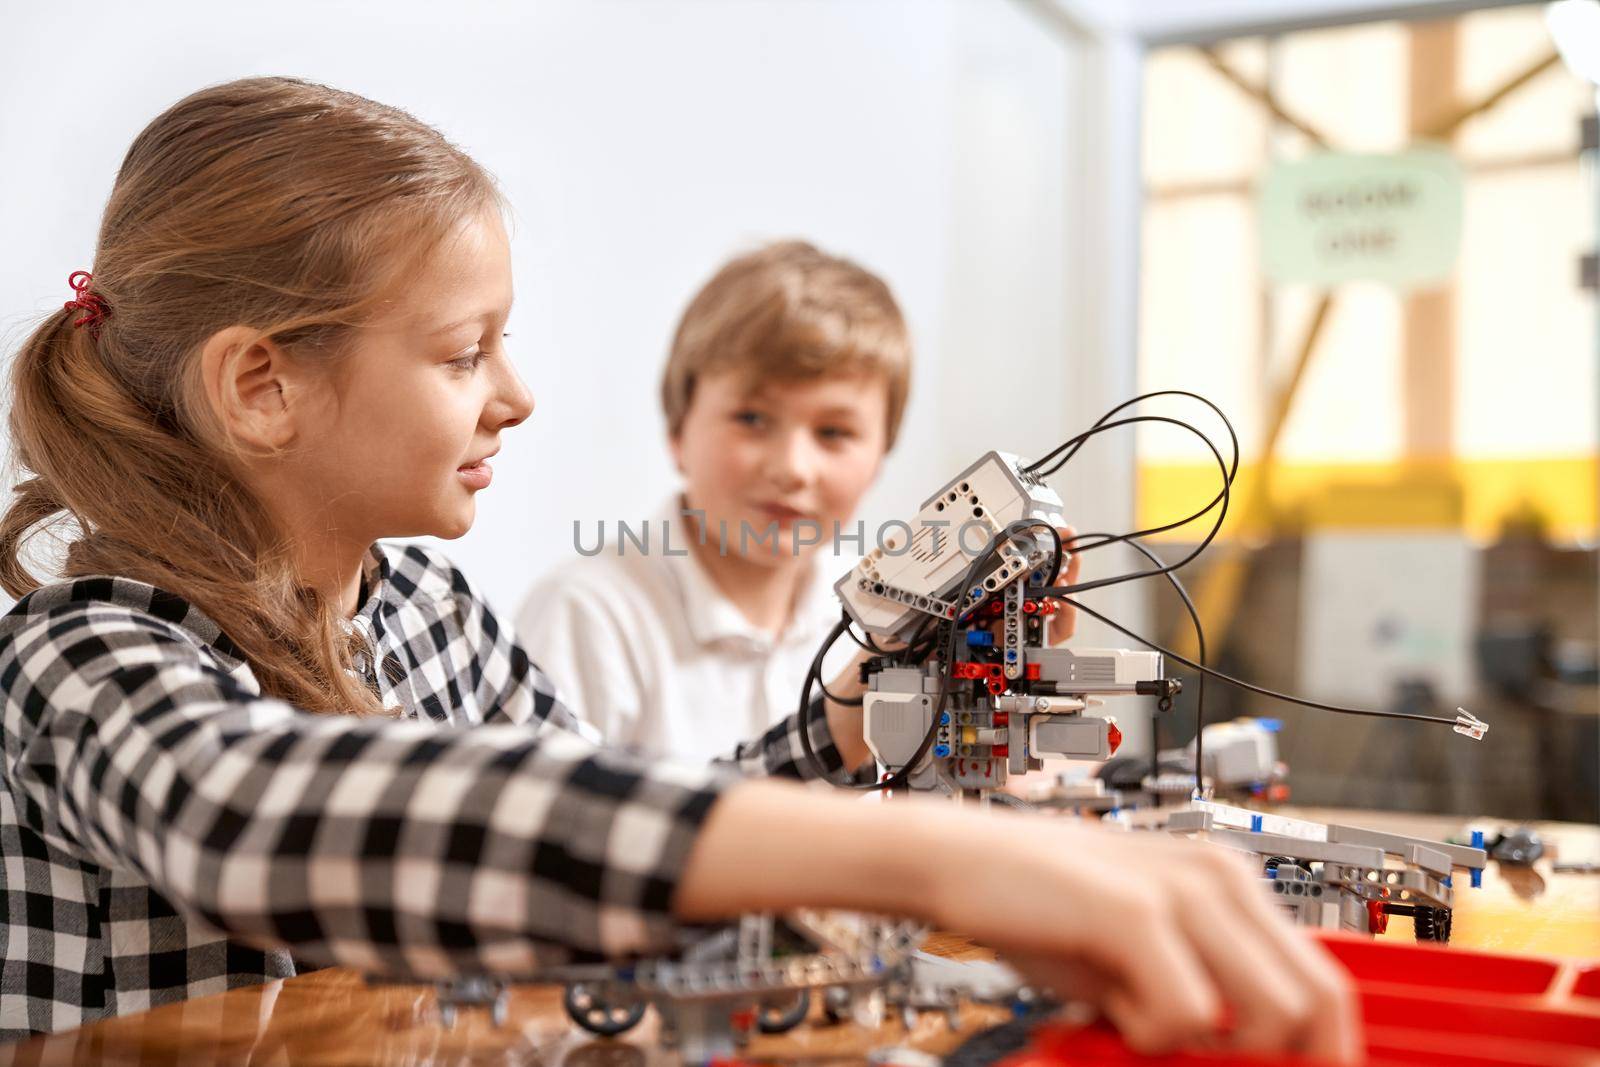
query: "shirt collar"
374, 582
711, 616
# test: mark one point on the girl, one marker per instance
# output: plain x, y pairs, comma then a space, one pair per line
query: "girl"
243, 736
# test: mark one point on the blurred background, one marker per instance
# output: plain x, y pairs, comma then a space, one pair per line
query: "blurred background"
1367, 231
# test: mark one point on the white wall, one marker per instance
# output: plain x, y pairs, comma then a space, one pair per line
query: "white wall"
640, 142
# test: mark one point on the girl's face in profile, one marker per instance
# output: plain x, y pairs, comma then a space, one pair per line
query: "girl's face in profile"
400, 446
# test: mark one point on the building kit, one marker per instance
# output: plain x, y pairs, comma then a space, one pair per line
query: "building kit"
1330, 876
761, 974
963, 692
1016, 700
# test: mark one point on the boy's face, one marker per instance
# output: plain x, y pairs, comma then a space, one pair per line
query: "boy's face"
780, 452
421, 399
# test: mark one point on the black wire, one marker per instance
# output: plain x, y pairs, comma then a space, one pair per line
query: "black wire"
867, 644
1240, 683
1225, 497
854, 702
813, 676
1072, 446
1232, 474
1200, 686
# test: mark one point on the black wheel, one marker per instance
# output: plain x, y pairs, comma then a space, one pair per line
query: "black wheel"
836, 1004
779, 1017
602, 1009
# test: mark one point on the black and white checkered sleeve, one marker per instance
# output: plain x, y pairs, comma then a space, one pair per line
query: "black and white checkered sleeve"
507, 685
778, 751
393, 846
515, 690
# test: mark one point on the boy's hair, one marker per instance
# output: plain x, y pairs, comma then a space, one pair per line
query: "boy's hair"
280, 205
789, 312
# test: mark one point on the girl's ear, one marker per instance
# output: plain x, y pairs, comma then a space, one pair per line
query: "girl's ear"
249, 382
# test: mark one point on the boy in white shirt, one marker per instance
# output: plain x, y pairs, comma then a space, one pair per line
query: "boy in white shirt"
783, 392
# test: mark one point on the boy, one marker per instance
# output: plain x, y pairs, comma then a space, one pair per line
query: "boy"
783, 392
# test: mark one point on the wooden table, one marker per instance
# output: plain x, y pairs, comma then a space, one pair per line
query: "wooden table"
332, 1018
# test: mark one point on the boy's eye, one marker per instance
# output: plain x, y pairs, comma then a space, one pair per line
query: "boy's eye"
836, 433
752, 419
469, 361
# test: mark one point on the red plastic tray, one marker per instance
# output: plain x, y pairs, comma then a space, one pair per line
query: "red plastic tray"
1423, 1005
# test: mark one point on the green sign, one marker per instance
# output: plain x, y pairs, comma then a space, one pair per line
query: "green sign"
1341, 217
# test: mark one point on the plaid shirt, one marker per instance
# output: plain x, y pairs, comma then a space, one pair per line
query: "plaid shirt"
167, 832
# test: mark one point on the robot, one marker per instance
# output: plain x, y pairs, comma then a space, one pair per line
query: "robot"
1334, 877
967, 690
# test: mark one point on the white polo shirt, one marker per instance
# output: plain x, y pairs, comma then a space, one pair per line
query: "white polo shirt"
648, 649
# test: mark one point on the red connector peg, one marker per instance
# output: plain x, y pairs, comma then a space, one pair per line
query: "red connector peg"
977, 670
1113, 736
1000, 751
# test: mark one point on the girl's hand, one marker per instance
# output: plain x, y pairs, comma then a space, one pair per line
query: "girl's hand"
1167, 937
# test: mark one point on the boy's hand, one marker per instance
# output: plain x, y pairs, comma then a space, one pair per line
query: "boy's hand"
1065, 622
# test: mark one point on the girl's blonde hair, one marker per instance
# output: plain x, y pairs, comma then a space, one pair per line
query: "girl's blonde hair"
790, 312
284, 206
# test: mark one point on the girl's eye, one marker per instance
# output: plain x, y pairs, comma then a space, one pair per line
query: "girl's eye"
753, 419
469, 361
836, 433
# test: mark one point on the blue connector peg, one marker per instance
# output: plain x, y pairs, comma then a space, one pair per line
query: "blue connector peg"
1477, 842
1255, 824
941, 751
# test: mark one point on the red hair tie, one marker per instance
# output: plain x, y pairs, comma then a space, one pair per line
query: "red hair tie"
95, 307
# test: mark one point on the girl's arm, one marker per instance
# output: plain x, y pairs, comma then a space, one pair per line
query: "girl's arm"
402, 847
1165, 935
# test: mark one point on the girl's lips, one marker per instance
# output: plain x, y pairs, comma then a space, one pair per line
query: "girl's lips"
477, 476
